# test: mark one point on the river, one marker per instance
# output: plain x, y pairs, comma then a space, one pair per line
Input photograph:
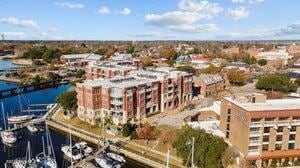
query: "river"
11, 107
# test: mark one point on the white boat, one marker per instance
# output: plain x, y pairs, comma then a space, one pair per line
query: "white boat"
72, 152
32, 129
8, 137
18, 119
84, 147
116, 157
50, 106
105, 162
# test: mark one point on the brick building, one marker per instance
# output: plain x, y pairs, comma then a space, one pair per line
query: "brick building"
133, 97
209, 84
264, 131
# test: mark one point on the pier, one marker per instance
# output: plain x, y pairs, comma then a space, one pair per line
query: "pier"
29, 88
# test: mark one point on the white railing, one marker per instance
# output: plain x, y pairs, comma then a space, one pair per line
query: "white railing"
283, 122
254, 142
255, 124
295, 122
269, 123
253, 152
116, 102
254, 133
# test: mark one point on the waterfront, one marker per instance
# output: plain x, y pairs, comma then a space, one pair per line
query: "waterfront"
37, 97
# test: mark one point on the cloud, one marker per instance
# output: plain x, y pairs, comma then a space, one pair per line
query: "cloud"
194, 28
203, 7
292, 29
13, 35
125, 11
153, 35
69, 5
13, 21
43, 35
237, 13
53, 29
249, 1
103, 10
172, 18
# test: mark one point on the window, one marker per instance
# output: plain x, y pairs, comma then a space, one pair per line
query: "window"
266, 139
267, 130
292, 137
293, 129
227, 134
279, 138
269, 119
229, 111
291, 146
277, 146
265, 147
280, 129
228, 119
228, 126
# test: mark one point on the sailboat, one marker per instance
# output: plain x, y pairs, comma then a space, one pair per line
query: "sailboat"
8, 137
47, 159
20, 118
32, 128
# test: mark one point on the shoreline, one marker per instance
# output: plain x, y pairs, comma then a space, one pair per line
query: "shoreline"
10, 80
94, 139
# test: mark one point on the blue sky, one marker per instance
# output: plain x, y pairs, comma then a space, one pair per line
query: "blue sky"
150, 19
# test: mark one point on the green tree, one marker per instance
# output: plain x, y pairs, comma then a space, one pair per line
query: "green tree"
186, 68
101, 51
67, 100
127, 129
262, 62
249, 60
208, 152
276, 82
53, 76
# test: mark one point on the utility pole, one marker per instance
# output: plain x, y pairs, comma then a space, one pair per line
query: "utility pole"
168, 158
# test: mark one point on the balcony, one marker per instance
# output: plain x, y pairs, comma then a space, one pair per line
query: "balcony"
115, 102
116, 95
148, 90
253, 152
283, 123
117, 110
148, 104
269, 123
295, 122
254, 143
254, 133
255, 124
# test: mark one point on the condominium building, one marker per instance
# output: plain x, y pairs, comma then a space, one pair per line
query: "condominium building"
133, 97
99, 69
264, 131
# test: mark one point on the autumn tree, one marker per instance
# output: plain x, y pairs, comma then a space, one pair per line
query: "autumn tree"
212, 70
235, 77
168, 53
146, 61
147, 132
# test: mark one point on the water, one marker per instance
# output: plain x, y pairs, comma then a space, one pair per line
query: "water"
38, 97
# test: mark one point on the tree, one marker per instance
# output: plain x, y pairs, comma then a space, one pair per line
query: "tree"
37, 79
186, 68
262, 62
146, 61
101, 51
249, 60
212, 70
235, 77
53, 76
67, 100
297, 81
276, 82
147, 132
208, 149
171, 62
168, 53
127, 129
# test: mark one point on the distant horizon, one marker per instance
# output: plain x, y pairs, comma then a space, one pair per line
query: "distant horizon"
150, 20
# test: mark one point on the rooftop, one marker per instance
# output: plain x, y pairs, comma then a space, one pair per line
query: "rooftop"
211, 127
268, 105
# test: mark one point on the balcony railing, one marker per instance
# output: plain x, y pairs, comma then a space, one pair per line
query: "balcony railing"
254, 142
254, 133
116, 95
253, 152
295, 122
115, 102
282, 122
269, 123
255, 124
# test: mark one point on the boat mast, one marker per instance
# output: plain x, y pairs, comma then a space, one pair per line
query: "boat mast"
193, 148
71, 147
168, 158
4, 119
19, 100
43, 146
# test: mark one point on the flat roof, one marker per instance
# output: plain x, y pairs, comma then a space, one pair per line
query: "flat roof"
269, 105
211, 127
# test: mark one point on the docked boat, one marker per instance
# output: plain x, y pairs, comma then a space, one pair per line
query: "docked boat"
20, 119
32, 129
49, 106
116, 157
106, 162
84, 147
8, 137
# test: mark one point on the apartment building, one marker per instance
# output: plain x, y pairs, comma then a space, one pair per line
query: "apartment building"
99, 69
132, 98
209, 84
264, 131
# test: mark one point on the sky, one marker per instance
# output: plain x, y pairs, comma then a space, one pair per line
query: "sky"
150, 19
